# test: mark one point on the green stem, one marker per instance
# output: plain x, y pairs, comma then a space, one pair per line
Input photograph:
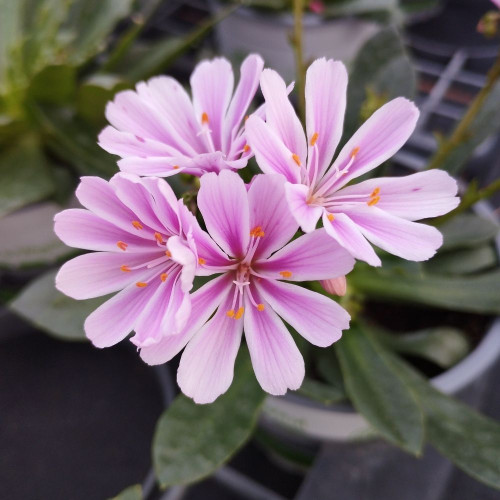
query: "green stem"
298, 9
461, 132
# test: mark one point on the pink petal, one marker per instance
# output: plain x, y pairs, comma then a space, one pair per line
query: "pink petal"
80, 228
305, 214
271, 154
115, 319
376, 140
314, 256
251, 69
184, 256
326, 89
343, 230
223, 202
95, 274
280, 114
207, 364
412, 197
203, 303
317, 318
400, 237
269, 211
158, 166
277, 362
212, 85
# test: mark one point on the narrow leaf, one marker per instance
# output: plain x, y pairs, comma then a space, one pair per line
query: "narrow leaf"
466, 231
130, 493
320, 392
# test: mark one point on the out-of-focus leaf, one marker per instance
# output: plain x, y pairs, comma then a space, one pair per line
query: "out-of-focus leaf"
28, 238
444, 346
93, 95
381, 68
328, 367
360, 7
130, 493
320, 392
476, 294
50, 310
55, 84
470, 440
10, 30
377, 391
466, 231
192, 441
24, 176
463, 260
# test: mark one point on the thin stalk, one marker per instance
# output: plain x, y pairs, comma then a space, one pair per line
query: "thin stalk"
461, 132
298, 10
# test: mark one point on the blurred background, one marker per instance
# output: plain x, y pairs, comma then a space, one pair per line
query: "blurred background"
77, 422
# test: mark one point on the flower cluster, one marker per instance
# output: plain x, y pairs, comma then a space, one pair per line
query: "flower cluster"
149, 247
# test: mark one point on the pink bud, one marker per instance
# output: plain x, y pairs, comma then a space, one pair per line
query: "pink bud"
335, 286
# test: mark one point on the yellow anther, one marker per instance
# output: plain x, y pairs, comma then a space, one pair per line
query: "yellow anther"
239, 313
122, 246
296, 159
375, 192
373, 201
141, 284
257, 232
314, 138
230, 313
260, 307
355, 151
286, 274
136, 224
204, 118
158, 237
167, 253
164, 277
125, 269
330, 217
201, 261
175, 167
246, 148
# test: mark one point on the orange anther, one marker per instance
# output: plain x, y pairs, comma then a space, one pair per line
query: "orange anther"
355, 151
239, 313
330, 217
260, 307
286, 274
164, 276
136, 224
314, 138
122, 246
176, 167
230, 313
158, 237
246, 117
167, 253
204, 118
296, 159
141, 284
201, 261
246, 148
373, 201
375, 192
125, 269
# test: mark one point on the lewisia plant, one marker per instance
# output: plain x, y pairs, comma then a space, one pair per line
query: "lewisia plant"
148, 246
381, 210
159, 131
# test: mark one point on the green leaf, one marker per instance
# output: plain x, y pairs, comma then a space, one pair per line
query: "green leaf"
382, 68
55, 84
470, 440
463, 260
192, 441
130, 493
377, 391
328, 367
50, 310
360, 7
476, 294
466, 231
444, 346
24, 176
320, 392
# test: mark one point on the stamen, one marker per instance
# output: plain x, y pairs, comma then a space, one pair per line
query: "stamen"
201, 261
373, 201
176, 167
260, 307
246, 117
141, 284
167, 253
330, 217
204, 118
355, 151
296, 159
230, 313
286, 274
137, 224
257, 232
314, 138
158, 238
122, 246
375, 192
246, 148
164, 277
125, 269
239, 313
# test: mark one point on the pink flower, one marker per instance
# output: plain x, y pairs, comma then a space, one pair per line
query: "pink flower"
253, 230
380, 210
497, 3
158, 130
141, 250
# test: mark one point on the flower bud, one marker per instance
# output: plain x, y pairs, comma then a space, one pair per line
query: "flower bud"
335, 286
